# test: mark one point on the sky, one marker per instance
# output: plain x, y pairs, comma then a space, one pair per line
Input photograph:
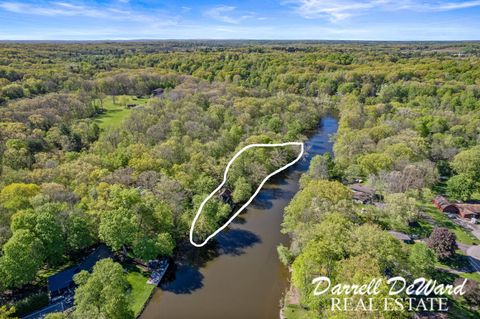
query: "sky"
246, 19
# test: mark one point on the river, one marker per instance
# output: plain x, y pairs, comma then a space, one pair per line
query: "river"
239, 276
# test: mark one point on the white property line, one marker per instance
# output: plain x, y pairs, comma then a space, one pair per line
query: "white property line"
251, 198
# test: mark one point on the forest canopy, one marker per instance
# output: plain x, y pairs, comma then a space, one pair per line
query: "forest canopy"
118, 143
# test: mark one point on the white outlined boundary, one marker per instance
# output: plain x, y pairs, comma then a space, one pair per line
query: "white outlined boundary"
251, 198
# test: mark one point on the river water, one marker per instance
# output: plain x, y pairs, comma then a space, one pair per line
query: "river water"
239, 275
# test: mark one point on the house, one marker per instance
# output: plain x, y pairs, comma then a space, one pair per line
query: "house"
131, 106
444, 205
363, 194
464, 210
158, 92
402, 237
469, 210
63, 281
225, 195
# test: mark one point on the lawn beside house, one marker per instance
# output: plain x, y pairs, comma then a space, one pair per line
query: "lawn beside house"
140, 293
442, 220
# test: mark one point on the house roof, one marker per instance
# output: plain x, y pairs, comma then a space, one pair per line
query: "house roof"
441, 201
465, 208
469, 208
64, 279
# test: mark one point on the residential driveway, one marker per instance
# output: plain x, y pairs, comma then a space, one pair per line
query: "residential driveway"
475, 231
463, 247
473, 254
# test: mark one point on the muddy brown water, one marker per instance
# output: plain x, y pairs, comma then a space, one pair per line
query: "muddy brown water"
239, 275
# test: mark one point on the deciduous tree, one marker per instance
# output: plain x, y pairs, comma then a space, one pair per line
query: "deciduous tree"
103, 293
442, 242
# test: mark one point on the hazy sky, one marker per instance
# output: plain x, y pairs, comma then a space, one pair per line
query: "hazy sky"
246, 19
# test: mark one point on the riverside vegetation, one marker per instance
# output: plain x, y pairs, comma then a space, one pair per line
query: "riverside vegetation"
80, 167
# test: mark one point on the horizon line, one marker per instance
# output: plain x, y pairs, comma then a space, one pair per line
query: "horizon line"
233, 39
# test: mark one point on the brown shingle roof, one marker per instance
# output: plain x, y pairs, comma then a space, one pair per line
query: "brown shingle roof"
441, 201
471, 208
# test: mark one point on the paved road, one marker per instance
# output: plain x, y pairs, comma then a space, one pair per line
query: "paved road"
473, 254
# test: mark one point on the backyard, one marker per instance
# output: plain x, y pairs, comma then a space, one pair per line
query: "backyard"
140, 291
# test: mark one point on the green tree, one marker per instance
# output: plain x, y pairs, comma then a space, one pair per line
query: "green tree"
118, 228
7, 312
461, 187
13, 91
467, 162
80, 232
284, 254
379, 244
44, 225
313, 192
50, 234
127, 214
145, 248
317, 258
214, 212
321, 167
17, 196
421, 260
400, 210
165, 244
21, 259
17, 155
242, 190
103, 293
361, 270
374, 162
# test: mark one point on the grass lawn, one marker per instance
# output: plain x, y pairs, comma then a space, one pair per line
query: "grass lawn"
140, 292
472, 276
297, 312
463, 236
422, 229
115, 113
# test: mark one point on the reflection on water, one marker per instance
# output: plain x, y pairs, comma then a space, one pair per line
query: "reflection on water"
234, 241
186, 279
238, 275
185, 276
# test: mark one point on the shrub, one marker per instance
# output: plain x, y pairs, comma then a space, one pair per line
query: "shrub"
442, 242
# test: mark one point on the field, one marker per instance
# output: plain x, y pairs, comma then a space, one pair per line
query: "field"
116, 110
